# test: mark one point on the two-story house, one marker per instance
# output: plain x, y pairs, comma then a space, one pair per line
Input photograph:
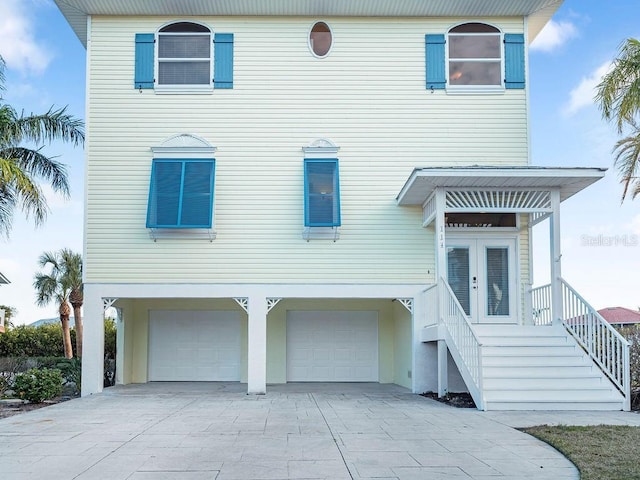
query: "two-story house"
329, 191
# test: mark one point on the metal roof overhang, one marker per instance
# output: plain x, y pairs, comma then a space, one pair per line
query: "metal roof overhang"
423, 181
539, 11
3, 279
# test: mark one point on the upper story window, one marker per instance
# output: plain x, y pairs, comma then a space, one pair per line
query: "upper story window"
475, 55
183, 57
320, 39
475, 58
184, 54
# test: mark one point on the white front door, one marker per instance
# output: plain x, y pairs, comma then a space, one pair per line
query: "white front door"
482, 274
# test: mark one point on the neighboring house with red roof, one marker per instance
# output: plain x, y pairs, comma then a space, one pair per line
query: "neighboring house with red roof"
620, 316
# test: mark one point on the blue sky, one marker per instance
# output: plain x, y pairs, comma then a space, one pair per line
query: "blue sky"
600, 237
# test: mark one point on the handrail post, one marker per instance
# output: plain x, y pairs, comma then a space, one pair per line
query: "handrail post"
555, 254
627, 379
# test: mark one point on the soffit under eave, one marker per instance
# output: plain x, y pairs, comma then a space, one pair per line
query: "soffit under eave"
539, 11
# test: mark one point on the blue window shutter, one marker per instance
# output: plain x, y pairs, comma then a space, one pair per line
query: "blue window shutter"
223, 61
321, 193
164, 194
144, 60
514, 60
197, 195
435, 58
181, 194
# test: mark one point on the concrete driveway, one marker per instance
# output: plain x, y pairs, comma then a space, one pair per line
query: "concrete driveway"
196, 431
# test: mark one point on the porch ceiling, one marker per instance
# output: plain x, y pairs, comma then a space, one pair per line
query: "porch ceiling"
423, 181
538, 11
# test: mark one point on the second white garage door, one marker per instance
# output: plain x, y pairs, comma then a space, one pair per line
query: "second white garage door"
332, 346
194, 346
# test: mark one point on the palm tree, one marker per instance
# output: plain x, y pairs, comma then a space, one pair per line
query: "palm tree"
21, 167
618, 96
71, 265
56, 286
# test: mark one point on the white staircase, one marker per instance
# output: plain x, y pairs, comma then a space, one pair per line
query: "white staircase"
541, 368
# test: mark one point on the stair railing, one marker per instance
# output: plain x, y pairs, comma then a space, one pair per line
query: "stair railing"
541, 305
467, 351
608, 349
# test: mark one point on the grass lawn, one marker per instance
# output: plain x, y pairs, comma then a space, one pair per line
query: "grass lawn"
604, 452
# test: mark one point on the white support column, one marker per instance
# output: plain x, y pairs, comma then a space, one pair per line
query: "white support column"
257, 345
443, 370
555, 253
93, 342
441, 251
119, 346
441, 272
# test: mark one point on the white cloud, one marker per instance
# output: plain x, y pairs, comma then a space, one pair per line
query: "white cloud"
18, 45
553, 35
635, 225
582, 95
55, 200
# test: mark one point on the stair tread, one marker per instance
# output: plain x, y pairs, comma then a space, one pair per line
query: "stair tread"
554, 376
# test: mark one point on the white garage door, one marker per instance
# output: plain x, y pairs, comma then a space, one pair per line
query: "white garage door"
332, 346
194, 346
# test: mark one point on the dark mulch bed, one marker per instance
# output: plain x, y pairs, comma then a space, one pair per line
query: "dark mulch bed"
459, 400
464, 400
8, 408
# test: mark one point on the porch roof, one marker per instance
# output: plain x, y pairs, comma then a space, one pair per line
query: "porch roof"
423, 181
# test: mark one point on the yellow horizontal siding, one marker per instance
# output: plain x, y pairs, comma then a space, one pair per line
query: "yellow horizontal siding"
368, 96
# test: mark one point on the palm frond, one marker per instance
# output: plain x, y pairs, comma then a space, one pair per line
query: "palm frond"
2, 77
618, 94
46, 287
52, 125
61, 278
627, 162
18, 188
72, 265
35, 163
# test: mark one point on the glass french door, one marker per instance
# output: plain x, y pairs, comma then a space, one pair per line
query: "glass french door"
482, 275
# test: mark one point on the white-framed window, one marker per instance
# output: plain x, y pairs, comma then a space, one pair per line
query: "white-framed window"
185, 55
476, 220
320, 39
474, 56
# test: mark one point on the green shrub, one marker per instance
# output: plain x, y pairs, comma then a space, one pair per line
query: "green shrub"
37, 385
9, 368
110, 334
632, 334
26, 341
71, 369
